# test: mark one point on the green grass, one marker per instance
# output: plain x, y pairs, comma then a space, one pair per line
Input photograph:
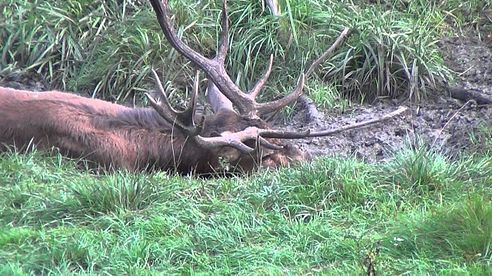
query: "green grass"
419, 213
327, 96
107, 48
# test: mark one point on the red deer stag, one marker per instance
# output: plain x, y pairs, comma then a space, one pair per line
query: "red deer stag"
115, 136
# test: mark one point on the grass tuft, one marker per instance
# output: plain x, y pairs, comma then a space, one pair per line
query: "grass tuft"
462, 230
421, 170
119, 191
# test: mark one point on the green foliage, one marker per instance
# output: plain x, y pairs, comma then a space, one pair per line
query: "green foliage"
421, 170
56, 37
324, 184
462, 230
327, 96
107, 48
394, 58
481, 139
114, 193
330, 216
457, 13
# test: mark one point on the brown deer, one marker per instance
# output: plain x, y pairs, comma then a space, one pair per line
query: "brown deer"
119, 137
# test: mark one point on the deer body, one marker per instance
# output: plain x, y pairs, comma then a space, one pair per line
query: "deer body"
108, 134
119, 137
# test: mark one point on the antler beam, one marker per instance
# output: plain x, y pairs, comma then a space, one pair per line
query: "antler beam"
214, 68
237, 139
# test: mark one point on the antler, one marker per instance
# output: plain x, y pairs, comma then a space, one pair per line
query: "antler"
184, 120
214, 68
236, 139
223, 91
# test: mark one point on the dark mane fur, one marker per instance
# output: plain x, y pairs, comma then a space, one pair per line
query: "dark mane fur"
139, 117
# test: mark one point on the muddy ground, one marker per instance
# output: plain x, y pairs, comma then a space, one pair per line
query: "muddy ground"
447, 124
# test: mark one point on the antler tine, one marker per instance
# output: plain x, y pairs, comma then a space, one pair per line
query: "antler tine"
236, 139
162, 107
184, 120
224, 34
261, 82
163, 96
329, 52
265, 143
268, 107
191, 108
265, 108
231, 139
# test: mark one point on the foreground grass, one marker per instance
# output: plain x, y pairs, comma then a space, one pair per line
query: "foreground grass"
419, 213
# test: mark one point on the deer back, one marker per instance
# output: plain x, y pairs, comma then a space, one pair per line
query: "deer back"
108, 134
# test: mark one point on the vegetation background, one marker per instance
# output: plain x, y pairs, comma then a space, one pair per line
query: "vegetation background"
421, 212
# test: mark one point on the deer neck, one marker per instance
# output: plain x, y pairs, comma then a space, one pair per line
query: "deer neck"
153, 143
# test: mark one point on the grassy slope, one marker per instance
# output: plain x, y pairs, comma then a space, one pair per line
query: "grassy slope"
417, 213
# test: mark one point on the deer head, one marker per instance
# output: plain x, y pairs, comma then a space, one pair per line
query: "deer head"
239, 141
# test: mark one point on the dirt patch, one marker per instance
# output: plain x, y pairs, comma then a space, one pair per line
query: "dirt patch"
447, 126
471, 59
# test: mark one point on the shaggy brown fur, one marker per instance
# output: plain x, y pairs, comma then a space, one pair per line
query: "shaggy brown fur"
115, 136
